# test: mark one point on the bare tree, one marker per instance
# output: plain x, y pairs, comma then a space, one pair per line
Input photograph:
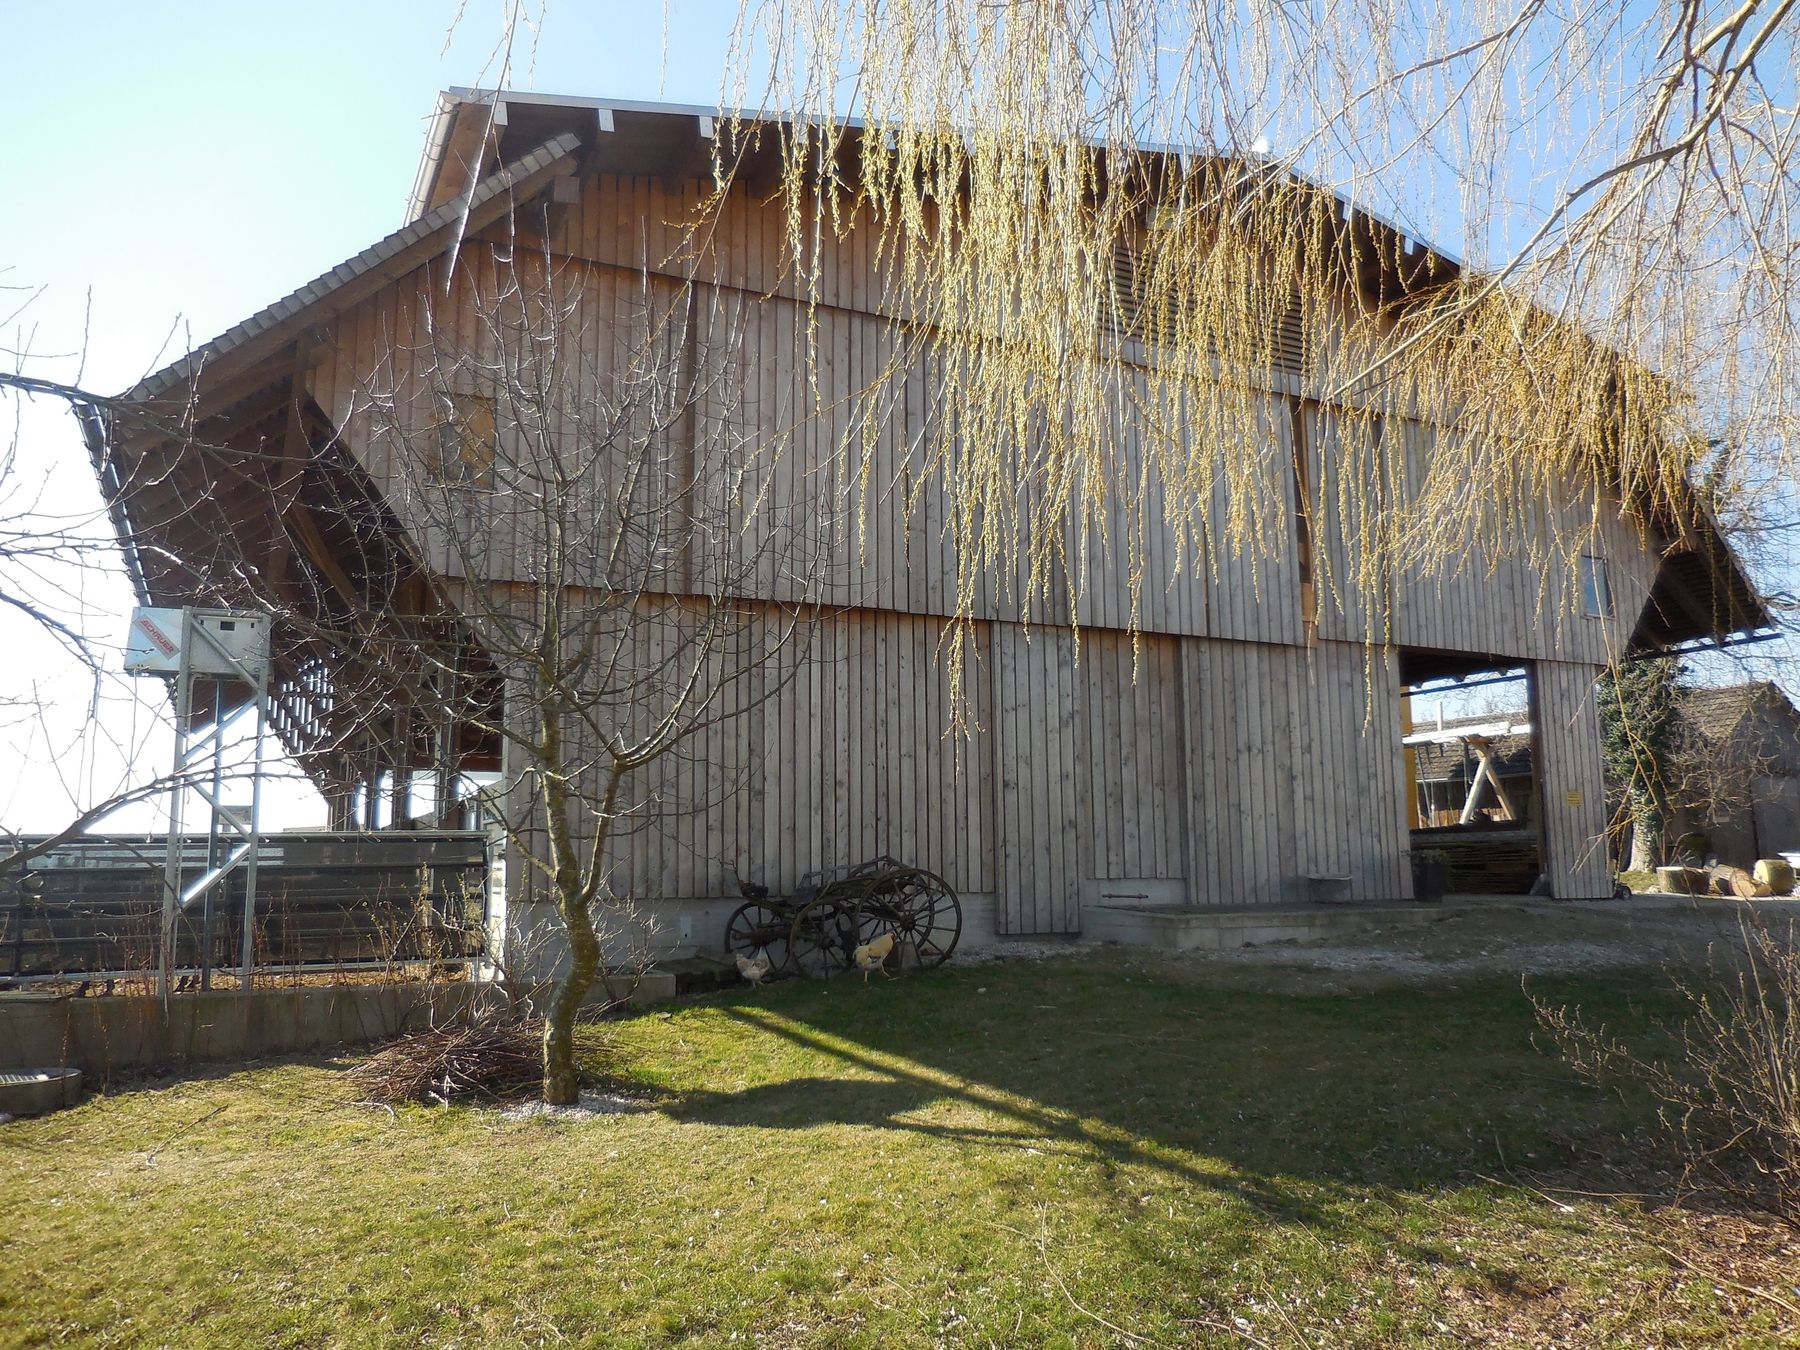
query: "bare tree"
571, 448
55, 545
552, 522
1728, 747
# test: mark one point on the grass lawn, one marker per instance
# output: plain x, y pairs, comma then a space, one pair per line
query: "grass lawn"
1090, 1152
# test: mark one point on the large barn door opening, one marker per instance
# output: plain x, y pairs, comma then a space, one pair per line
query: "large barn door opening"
1036, 810
1470, 742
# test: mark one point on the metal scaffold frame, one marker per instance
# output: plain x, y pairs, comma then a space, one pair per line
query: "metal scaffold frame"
223, 647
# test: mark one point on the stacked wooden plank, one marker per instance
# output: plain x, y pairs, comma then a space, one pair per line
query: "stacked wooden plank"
1483, 861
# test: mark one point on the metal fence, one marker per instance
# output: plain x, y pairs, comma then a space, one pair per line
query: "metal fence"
92, 906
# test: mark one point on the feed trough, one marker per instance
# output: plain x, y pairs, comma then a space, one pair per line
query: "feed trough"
32, 1092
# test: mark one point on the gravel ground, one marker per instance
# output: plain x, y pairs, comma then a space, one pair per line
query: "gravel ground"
591, 1105
1026, 949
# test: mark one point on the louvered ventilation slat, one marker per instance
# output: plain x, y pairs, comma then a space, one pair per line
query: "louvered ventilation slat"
1288, 350
1126, 300
1127, 313
1125, 317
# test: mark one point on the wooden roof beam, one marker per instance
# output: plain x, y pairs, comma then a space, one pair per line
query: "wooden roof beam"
299, 518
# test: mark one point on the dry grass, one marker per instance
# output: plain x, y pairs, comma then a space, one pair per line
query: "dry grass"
1729, 1086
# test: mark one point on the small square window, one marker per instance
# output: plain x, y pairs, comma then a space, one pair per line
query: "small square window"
466, 438
1596, 589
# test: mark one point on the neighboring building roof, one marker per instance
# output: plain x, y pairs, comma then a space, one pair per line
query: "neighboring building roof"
1714, 711
1452, 760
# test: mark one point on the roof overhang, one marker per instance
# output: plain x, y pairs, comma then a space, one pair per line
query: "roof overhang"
211, 371
472, 131
1702, 596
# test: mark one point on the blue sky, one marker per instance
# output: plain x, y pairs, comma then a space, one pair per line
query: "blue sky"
192, 162
175, 167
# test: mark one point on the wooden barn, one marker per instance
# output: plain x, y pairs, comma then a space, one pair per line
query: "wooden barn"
1244, 747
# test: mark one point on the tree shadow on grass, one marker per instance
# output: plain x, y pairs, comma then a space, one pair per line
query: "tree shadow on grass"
1302, 1108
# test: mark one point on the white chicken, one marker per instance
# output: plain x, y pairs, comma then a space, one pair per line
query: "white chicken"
754, 968
873, 955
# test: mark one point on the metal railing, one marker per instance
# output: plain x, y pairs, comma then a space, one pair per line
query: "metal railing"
93, 907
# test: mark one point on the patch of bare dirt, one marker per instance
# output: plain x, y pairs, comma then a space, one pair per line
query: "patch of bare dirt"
1500, 1290
591, 1105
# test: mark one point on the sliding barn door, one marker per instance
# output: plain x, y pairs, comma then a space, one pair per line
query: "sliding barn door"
1036, 810
1565, 735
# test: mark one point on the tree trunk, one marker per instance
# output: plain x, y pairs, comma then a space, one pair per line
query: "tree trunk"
561, 1083
576, 887
1646, 833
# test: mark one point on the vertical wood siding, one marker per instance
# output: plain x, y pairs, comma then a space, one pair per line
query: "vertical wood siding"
1566, 748
1037, 813
1220, 747
893, 548
854, 758
1132, 773
1284, 780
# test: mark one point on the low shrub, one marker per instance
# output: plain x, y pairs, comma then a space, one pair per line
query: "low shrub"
1729, 1096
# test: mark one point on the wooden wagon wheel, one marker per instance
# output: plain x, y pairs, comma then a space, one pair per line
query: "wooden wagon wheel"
823, 935
924, 913
758, 927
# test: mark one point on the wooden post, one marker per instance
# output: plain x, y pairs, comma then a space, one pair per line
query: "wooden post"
1474, 793
1484, 754
1411, 756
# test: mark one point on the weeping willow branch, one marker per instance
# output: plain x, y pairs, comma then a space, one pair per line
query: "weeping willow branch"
1083, 232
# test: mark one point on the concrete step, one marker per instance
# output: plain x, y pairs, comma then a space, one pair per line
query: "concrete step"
640, 989
1200, 928
701, 974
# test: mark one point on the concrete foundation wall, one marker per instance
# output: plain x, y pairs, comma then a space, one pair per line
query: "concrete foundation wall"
670, 930
1195, 928
103, 1036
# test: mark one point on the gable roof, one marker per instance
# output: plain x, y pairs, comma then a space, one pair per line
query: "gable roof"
487, 149
1714, 711
400, 251
469, 126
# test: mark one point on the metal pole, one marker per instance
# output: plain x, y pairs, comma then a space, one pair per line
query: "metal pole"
249, 945
165, 949
212, 832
